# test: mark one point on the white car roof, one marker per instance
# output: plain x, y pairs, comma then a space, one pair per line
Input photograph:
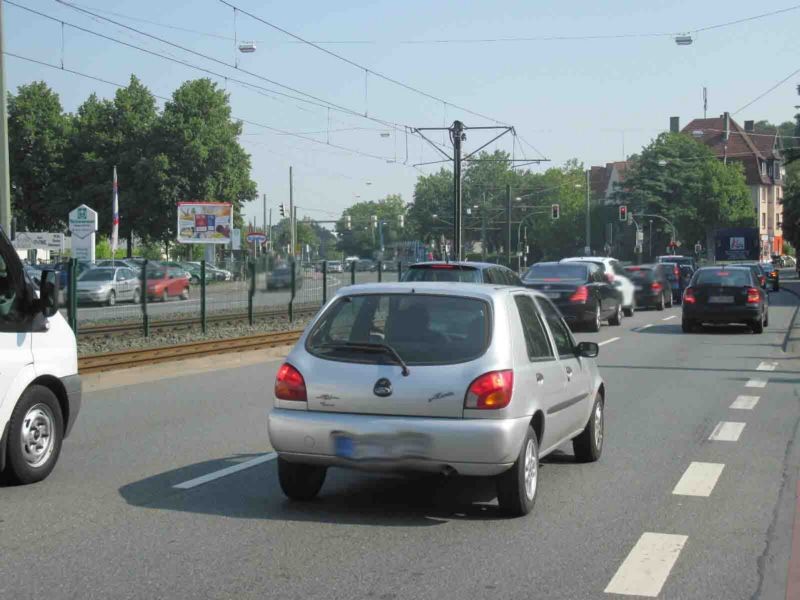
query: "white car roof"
445, 288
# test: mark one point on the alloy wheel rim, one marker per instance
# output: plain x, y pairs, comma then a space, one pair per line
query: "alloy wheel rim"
597, 317
598, 425
36, 439
531, 470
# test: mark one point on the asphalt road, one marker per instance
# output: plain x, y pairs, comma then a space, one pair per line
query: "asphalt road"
110, 523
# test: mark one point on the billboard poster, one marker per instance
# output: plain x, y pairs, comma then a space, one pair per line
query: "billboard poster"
204, 222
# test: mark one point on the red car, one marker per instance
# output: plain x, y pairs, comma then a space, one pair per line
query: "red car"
162, 283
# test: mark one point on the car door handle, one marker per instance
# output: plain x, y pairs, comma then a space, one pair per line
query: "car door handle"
569, 372
539, 378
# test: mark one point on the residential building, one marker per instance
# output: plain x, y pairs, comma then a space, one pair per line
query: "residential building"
604, 180
760, 156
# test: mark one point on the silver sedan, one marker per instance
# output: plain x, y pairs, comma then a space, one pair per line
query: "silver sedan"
108, 285
468, 379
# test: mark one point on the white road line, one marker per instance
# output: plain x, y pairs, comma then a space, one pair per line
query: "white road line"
192, 483
670, 317
767, 366
647, 566
603, 343
756, 383
727, 431
699, 479
645, 326
745, 402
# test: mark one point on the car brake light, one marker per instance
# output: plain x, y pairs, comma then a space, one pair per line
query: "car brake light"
490, 391
688, 296
289, 384
442, 267
580, 295
753, 296
656, 287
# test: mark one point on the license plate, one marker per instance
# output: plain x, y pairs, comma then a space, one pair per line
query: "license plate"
381, 447
720, 300
552, 294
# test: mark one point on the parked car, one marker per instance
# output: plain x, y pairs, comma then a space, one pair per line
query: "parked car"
281, 277
725, 294
108, 285
651, 284
772, 276
465, 272
164, 283
39, 382
335, 266
615, 273
580, 290
470, 379
212, 273
365, 264
120, 262
193, 270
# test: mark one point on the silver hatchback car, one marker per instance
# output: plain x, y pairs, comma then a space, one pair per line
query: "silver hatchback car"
469, 379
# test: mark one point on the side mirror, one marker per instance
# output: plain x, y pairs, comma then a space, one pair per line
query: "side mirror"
587, 349
49, 293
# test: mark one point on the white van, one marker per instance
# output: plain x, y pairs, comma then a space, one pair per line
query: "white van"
40, 389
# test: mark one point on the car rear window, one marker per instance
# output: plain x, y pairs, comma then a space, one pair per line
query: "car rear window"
639, 273
724, 277
423, 329
442, 273
556, 272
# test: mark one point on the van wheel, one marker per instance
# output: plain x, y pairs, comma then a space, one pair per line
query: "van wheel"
35, 434
588, 446
300, 482
517, 487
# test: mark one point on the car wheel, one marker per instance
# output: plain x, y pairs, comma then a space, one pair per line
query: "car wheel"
661, 303
137, 296
298, 481
35, 434
112, 298
629, 310
687, 325
616, 318
594, 324
671, 301
185, 294
517, 487
766, 318
757, 325
588, 446
165, 295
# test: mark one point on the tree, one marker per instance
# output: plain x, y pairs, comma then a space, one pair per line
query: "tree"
281, 234
433, 195
786, 132
199, 152
679, 178
38, 134
363, 239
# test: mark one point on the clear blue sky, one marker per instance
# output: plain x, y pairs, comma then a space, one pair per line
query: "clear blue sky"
569, 98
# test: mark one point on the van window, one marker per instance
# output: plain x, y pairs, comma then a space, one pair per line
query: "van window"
12, 294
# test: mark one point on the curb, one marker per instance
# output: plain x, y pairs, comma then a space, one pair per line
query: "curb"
788, 340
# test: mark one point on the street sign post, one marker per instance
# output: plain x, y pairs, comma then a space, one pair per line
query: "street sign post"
83, 226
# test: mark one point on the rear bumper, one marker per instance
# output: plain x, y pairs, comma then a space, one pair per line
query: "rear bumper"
577, 313
647, 298
721, 314
468, 446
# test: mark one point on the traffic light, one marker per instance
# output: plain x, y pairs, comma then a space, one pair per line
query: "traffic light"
282, 209
401, 220
348, 222
623, 213
555, 211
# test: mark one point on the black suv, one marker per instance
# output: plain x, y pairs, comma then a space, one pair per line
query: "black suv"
464, 272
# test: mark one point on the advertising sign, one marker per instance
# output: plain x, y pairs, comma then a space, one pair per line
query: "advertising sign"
39, 240
737, 243
236, 239
256, 237
204, 222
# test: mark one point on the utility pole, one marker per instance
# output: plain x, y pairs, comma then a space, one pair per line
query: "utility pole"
291, 214
508, 225
483, 228
457, 136
269, 232
588, 249
264, 196
5, 185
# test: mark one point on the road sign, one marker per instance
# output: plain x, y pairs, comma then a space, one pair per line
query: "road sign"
83, 225
639, 237
256, 237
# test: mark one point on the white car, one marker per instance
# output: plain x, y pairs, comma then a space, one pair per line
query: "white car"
40, 389
616, 274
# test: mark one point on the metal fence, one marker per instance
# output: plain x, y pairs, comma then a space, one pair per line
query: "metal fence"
147, 293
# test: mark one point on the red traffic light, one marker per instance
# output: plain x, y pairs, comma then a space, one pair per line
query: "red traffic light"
623, 213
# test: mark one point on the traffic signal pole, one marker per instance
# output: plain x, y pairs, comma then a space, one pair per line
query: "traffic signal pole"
5, 179
457, 135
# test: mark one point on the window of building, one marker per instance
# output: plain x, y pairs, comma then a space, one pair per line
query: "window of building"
763, 220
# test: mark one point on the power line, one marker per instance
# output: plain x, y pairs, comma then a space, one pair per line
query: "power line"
769, 90
358, 66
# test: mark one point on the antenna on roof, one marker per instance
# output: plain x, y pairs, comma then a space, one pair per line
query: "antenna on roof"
705, 101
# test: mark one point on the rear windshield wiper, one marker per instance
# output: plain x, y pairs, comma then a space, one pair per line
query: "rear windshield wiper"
369, 347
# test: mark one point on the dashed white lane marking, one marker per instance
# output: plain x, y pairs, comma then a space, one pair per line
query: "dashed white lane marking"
647, 566
767, 366
669, 318
645, 326
756, 383
745, 402
187, 485
603, 343
727, 431
699, 479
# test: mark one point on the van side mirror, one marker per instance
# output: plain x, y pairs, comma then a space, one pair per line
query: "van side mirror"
587, 349
49, 293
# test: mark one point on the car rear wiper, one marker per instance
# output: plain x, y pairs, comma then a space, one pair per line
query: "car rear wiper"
370, 347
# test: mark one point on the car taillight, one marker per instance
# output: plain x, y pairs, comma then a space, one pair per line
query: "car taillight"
677, 271
289, 384
753, 296
656, 287
580, 295
490, 391
774, 274
688, 296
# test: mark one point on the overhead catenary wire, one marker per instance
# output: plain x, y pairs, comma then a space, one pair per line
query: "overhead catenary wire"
767, 91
